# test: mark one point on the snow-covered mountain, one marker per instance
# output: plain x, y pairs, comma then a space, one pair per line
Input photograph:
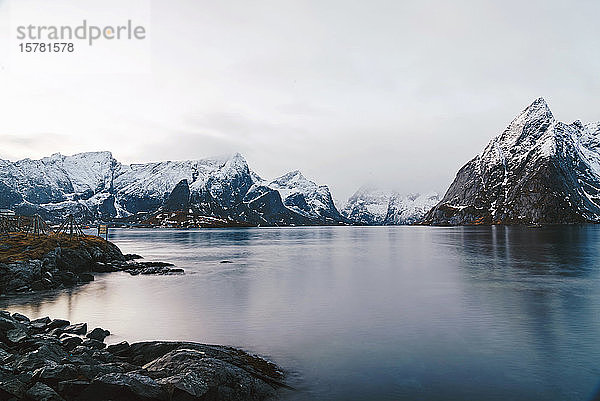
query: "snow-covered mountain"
94, 186
538, 171
305, 197
370, 206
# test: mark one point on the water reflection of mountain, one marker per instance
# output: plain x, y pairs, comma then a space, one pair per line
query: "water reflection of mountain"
553, 250
535, 287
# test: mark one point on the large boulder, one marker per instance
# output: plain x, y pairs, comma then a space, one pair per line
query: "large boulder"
78, 328
191, 374
12, 385
38, 362
41, 392
52, 374
98, 334
46, 355
124, 387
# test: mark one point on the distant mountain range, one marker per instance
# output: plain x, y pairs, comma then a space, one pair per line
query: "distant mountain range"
219, 191
538, 171
208, 192
371, 206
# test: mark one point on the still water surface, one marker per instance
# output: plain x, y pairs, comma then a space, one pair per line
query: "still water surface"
368, 313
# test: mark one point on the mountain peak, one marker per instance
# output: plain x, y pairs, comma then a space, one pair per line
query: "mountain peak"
537, 171
540, 100
293, 179
295, 175
237, 158
539, 109
530, 123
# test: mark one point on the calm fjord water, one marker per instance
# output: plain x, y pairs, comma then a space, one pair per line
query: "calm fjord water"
369, 313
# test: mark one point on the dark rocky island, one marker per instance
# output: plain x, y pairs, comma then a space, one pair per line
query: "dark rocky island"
54, 360
43, 262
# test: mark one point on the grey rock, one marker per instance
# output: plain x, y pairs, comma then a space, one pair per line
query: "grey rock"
35, 341
95, 370
11, 385
86, 277
157, 270
7, 324
16, 335
191, 372
41, 366
79, 328
121, 348
82, 350
43, 284
45, 355
57, 323
103, 356
67, 277
94, 344
132, 256
71, 389
52, 374
40, 323
20, 318
56, 332
125, 387
5, 356
41, 392
98, 334
70, 341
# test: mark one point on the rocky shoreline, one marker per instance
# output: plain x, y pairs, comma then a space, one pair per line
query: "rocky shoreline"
48, 262
53, 360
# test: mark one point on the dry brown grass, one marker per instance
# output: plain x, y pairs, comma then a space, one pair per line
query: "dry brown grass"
21, 246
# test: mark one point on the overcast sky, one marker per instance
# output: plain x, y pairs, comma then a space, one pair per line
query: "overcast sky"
395, 93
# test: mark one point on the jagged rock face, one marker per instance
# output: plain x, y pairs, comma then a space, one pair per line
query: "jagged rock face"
306, 198
94, 186
538, 171
179, 198
265, 204
8, 196
369, 206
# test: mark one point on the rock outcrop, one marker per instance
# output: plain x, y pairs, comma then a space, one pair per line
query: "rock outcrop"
52, 360
34, 263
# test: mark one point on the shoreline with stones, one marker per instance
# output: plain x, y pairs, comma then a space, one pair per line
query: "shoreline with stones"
53, 360
46, 262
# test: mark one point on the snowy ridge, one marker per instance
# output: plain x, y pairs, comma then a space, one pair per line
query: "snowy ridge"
94, 186
371, 206
305, 197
